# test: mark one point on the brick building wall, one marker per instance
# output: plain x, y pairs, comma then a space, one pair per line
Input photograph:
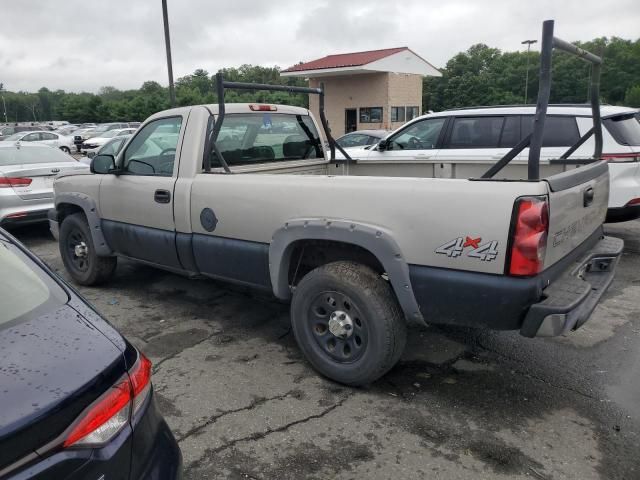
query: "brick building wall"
366, 90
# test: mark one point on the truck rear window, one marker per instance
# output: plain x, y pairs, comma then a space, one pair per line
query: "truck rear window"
625, 129
267, 137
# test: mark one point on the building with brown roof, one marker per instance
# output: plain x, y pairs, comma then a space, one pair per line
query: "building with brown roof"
377, 89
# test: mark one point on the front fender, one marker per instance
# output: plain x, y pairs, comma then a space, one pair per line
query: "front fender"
377, 240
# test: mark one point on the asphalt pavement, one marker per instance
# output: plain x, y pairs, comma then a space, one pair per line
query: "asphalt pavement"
461, 404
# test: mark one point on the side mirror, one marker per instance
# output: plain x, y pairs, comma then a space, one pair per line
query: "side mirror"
383, 145
103, 164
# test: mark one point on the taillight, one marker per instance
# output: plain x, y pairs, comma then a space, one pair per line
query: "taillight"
7, 182
621, 157
635, 201
529, 240
113, 410
263, 108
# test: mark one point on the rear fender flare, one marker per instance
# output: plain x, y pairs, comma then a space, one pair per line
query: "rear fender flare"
88, 206
376, 240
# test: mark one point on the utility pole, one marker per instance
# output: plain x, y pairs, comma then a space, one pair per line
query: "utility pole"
167, 42
526, 82
4, 105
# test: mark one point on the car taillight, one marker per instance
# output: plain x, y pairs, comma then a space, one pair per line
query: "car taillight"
113, 410
7, 182
529, 240
621, 157
635, 201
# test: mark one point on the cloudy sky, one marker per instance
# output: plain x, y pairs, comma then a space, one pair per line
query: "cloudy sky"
81, 45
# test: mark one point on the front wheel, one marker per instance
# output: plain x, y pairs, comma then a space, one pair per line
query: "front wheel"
79, 255
348, 323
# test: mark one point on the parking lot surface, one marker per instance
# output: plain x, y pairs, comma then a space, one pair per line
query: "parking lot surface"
461, 404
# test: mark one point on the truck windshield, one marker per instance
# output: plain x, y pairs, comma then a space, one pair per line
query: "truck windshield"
246, 139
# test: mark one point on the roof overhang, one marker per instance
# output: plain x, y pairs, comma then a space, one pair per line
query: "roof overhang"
402, 62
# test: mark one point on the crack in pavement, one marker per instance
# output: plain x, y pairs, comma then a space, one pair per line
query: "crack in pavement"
215, 418
260, 435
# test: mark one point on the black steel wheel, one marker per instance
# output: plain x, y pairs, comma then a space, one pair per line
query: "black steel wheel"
348, 323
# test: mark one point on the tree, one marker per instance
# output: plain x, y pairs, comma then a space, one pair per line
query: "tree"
632, 97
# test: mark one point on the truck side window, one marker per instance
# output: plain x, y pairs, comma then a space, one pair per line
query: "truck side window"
421, 135
153, 150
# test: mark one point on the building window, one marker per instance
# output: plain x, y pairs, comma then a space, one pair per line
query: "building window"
397, 114
412, 112
371, 115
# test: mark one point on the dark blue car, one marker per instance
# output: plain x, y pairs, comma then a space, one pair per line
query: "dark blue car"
76, 400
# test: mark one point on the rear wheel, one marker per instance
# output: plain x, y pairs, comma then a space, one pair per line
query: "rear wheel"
66, 150
348, 323
79, 255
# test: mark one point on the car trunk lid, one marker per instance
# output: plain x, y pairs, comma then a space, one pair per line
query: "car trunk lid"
32, 182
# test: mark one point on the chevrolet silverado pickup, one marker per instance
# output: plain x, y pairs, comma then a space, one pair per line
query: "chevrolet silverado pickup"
246, 193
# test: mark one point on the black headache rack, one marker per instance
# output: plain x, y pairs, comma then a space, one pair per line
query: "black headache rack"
221, 85
534, 140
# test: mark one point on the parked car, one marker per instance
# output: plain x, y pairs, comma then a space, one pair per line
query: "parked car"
464, 143
11, 129
105, 127
361, 138
112, 147
51, 139
27, 171
94, 143
77, 398
358, 257
81, 135
67, 130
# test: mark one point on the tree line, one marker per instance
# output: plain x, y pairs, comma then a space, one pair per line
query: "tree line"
479, 76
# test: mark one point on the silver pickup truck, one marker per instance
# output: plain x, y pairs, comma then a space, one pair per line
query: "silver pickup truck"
246, 193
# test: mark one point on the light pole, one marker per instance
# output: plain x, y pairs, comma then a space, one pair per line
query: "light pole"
4, 105
167, 43
526, 82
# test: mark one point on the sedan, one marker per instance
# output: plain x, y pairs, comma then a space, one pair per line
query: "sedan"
94, 143
361, 138
52, 139
77, 399
27, 172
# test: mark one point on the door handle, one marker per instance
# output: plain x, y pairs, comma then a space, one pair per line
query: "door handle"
588, 197
423, 156
162, 196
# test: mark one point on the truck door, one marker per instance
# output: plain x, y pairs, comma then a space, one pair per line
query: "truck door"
136, 206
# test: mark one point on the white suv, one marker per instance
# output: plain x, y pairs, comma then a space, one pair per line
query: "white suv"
464, 143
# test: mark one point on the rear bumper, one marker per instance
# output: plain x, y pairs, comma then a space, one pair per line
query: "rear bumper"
24, 217
500, 302
570, 300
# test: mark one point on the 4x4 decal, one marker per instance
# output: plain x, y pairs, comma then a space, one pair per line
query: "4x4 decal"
455, 248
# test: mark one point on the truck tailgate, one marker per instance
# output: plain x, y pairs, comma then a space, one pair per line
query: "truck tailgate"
578, 202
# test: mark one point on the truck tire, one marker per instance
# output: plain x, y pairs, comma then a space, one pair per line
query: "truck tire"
348, 323
79, 255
